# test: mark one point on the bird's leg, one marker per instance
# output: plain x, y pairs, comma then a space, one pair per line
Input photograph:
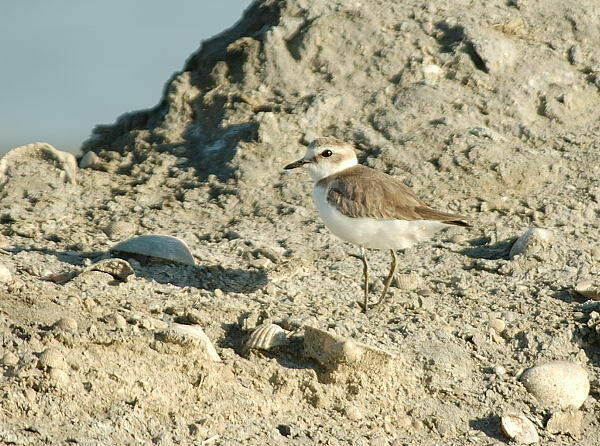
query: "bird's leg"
388, 281
363, 257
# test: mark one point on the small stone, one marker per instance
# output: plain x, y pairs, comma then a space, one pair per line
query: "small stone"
499, 370
5, 275
568, 422
353, 413
530, 242
498, 325
588, 290
595, 252
557, 384
115, 319
66, 323
9, 359
519, 428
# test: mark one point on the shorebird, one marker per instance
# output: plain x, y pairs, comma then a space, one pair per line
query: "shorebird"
368, 208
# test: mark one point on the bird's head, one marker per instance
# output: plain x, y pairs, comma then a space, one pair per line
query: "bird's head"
326, 156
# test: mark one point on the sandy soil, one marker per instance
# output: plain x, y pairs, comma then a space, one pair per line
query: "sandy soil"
485, 109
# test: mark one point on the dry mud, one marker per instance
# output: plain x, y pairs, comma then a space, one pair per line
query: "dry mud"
489, 109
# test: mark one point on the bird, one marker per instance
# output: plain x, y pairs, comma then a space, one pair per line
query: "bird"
367, 207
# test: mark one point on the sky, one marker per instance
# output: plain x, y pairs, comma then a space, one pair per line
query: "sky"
67, 65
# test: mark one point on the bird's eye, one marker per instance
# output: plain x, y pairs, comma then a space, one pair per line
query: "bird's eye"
326, 153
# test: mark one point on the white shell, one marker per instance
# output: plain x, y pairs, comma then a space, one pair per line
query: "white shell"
331, 350
189, 336
588, 290
557, 384
519, 428
410, 281
51, 358
266, 337
164, 247
529, 240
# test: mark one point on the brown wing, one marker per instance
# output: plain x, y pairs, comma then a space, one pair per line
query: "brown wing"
363, 192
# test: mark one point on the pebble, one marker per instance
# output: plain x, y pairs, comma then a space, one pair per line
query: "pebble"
115, 319
595, 252
5, 275
498, 325
519, 428
588, 289
530, 241
66, 323
9, 359
557, 384
353, 413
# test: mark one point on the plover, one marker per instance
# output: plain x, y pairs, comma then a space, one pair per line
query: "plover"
366, 207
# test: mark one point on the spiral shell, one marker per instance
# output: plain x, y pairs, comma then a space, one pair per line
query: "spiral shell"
266, 337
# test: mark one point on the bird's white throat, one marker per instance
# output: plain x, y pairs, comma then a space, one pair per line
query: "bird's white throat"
323, 168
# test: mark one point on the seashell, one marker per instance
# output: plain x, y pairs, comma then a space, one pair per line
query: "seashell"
118, 268
42, 151
331, 351
164, 247
189, 336
66, 323
588, 290
519, 429
9, 359
410, 281
557, 384
266, 337
118, 229
51, 358
529, 241
5, 275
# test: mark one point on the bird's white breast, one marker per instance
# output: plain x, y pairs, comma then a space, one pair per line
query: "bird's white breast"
371, 232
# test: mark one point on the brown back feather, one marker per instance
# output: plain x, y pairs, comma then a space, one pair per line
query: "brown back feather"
364, 192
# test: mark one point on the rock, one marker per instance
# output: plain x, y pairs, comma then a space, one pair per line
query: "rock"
530, 242
519, 429
163, 247
39, 151
353, 413
588, 289
9, 359
58, 377
567, 422
66, 323
189, 336
5, 275
557, 384
497, 53
266, 337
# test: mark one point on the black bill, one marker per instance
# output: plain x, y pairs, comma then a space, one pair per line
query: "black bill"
300, 162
